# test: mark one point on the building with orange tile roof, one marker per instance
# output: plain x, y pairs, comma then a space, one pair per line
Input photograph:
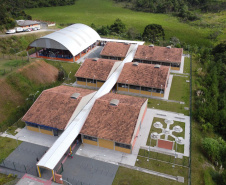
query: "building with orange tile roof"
94, 72
145, 79
55, 108
115, 50
159, 55
114, 122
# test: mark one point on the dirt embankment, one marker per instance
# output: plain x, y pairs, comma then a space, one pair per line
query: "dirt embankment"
40, 72
14, 89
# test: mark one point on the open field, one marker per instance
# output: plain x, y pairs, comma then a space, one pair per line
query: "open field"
125, 176
104, 12
167, 106
180, 89
69, 68
7, 145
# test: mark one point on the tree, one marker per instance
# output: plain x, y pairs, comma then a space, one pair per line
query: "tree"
118, 26
153, 32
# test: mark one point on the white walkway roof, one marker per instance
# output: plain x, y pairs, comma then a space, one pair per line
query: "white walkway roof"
123, 41
74, 38
58, 149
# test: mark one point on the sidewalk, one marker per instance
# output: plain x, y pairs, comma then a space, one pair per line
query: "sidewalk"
32, 180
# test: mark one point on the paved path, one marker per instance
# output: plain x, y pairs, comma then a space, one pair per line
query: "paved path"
33, 137
32, 180
94, 53
32, 32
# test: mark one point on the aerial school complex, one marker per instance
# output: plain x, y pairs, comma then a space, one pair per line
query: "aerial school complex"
99, 110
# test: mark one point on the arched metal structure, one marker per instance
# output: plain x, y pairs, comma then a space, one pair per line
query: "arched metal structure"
74, 38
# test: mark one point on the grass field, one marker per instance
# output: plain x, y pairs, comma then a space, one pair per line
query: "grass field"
69, 68
180, 89
104, 12
126, 176
167, 106
6, 179
187, 65
7, 145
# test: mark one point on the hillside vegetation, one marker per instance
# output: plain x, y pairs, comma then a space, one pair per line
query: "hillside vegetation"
18, 89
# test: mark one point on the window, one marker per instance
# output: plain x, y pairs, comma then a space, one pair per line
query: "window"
91, 81
175, 65
45, 127
123, 145
81, 79
100, 81
146, 89
90, 138
134, 87
32, 124
123, 85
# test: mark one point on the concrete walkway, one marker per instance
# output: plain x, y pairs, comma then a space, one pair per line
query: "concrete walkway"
33, 137
94, 53
28, 179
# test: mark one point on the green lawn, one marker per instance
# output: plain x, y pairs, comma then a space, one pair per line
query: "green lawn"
6, 178
8, 65
180, 89
126, 176
167, 106
104, 12
167, 158
68, 67
186, 65
163, 167
7, 145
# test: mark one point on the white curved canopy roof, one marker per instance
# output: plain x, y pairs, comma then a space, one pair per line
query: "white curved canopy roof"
74, 38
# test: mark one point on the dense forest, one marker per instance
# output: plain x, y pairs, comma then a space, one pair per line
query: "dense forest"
181, 8
14, 9
210, 105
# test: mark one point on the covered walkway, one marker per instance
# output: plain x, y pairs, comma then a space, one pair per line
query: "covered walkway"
63, 143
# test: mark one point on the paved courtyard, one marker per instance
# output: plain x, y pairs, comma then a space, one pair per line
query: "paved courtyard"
24, 158
86, 171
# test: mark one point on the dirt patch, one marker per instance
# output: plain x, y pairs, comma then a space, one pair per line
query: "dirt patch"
8, 96
40, 72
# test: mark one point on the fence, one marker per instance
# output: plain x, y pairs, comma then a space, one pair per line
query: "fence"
19, 167
170, 159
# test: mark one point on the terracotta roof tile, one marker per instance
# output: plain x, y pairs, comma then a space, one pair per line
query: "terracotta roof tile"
145, 75
98, 70
115, 123
115, 49
160, 54
54, 107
